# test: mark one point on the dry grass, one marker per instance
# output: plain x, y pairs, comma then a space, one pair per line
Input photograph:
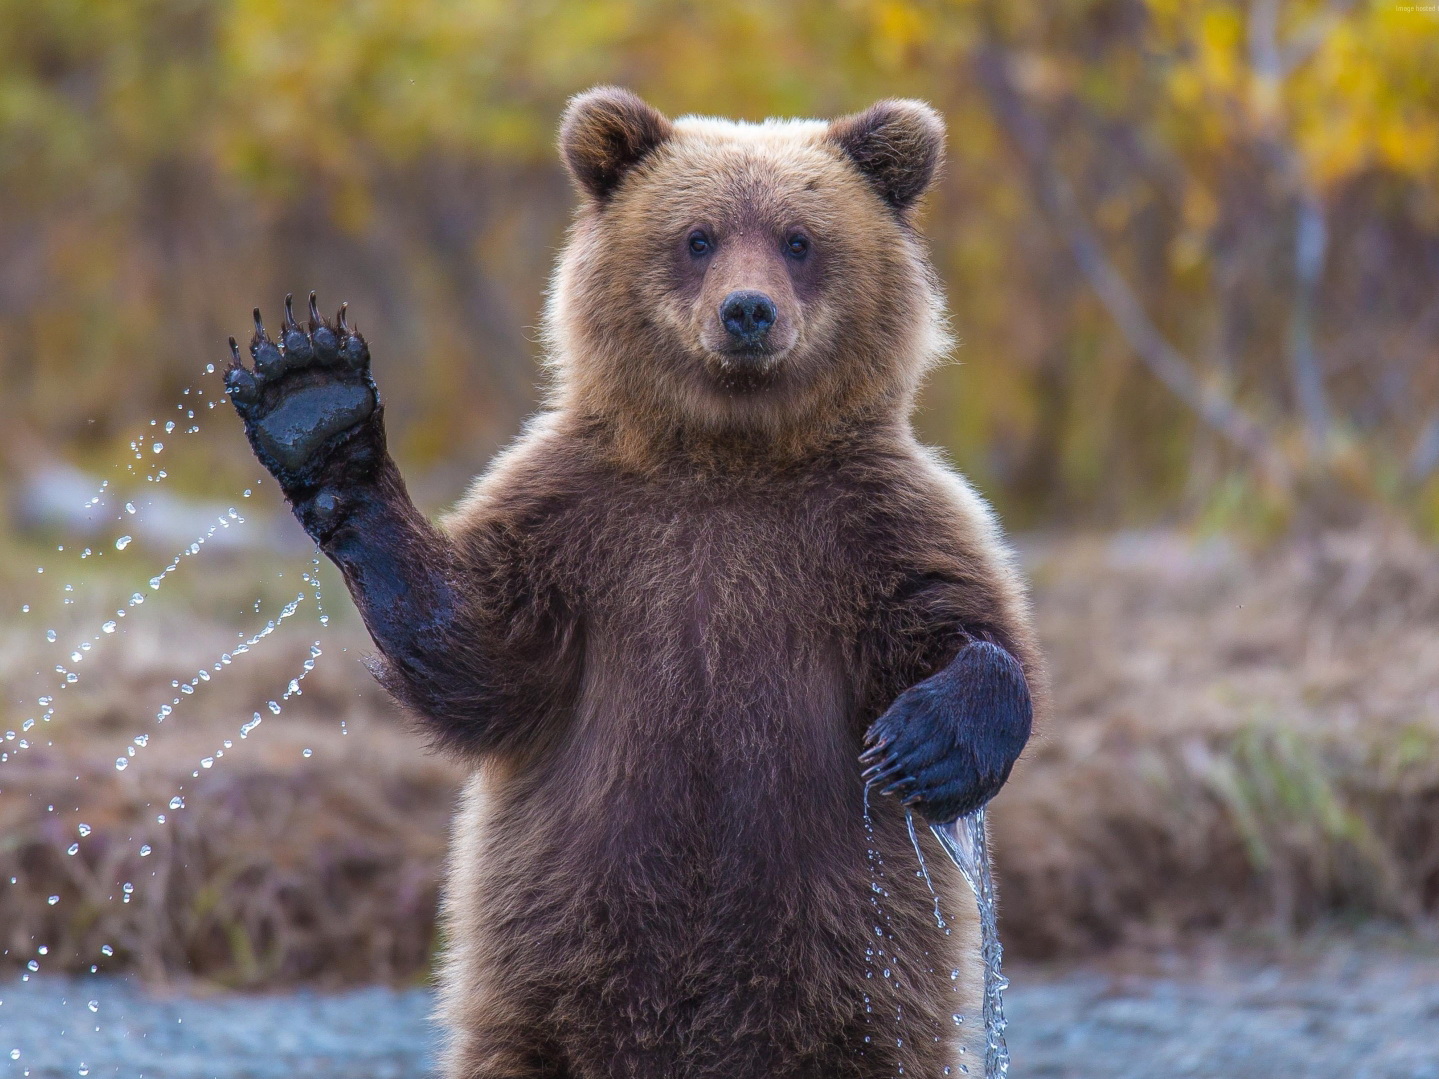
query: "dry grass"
1240, 741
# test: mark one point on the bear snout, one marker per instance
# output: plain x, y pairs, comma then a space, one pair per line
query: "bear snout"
747, 316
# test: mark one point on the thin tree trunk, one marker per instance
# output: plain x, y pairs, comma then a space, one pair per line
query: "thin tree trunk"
1310, 242
1271, 67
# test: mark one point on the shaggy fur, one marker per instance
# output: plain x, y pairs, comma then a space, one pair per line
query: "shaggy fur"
662, 622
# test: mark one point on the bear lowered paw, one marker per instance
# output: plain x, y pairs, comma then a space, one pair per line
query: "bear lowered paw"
947, 744
310, 408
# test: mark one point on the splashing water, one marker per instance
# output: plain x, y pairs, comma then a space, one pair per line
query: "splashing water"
136, 535
965, 840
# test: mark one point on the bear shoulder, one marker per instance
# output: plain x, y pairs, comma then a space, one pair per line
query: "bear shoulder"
544, 469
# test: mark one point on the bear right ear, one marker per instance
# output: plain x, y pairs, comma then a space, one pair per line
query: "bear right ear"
606, 132
898, 145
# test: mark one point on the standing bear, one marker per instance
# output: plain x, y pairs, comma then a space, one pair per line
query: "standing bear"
691, 629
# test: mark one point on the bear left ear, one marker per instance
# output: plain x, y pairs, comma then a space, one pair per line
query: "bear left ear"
898, 145
606, 132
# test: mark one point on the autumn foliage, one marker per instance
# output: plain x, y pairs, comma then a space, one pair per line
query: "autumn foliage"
1192, 247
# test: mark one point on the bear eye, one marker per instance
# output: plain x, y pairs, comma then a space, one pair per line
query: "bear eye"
699, 242
797, 245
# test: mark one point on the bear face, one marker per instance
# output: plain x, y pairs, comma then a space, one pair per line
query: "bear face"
729, 279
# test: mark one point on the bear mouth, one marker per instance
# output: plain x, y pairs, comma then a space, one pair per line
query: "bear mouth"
759, 355
745, 369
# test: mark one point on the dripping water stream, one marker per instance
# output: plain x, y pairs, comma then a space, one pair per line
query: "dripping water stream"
966, 841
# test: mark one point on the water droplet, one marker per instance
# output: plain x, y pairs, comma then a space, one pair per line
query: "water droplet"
15, 1053
127, 888
157, 447
53, 900
105, 949
274, 707
108, 627
74, 849
84, 830
307, 753
123, 542
24, 608
145, 849
129, 507
177, 802
121, 763
50, 635
208, 762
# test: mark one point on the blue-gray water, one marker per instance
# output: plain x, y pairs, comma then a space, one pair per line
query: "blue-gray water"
363, 1034
1357, 1013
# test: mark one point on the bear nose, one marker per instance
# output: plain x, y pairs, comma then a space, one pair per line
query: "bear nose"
748, 315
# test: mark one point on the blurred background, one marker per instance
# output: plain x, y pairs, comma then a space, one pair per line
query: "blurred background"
1191, 249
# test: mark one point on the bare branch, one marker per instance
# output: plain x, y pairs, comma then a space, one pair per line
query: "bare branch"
1305, 41
1424, 460
1206, 397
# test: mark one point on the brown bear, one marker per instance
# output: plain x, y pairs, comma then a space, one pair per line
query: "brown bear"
664, 627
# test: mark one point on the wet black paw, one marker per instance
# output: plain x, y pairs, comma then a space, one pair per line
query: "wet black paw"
947, 744
310, 408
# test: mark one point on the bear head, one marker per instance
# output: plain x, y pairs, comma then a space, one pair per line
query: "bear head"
744, 284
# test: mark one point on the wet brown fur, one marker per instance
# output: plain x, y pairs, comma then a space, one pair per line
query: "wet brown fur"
705, 580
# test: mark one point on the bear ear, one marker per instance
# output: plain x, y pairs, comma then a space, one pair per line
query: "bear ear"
898, 146
606, 132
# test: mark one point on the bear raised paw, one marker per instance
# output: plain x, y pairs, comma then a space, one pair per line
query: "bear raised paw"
311, 410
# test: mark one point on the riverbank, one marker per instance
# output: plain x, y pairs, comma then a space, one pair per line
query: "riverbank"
1353, 1008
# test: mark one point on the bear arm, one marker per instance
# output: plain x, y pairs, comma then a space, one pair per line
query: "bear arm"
452, 648
952, 696
925, 622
